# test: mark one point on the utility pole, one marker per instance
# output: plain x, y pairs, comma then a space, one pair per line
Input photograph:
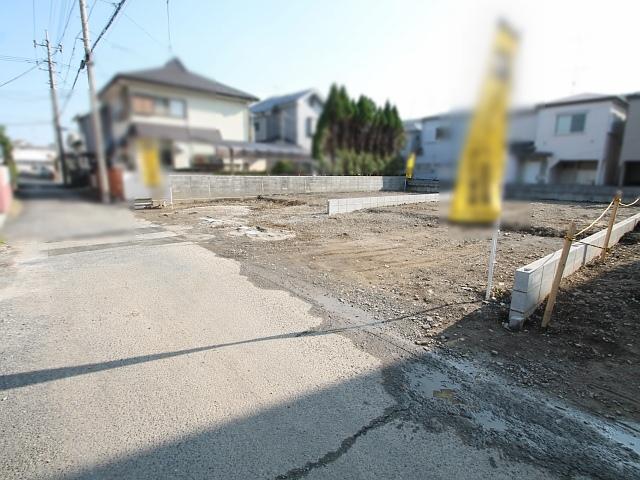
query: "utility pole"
54, 102
95, 114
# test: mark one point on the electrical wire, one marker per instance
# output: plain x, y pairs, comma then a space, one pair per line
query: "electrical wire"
106, 27
12, 58
19, 76
66, 25
145, 31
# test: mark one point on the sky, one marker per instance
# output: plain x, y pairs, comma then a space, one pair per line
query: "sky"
425, 56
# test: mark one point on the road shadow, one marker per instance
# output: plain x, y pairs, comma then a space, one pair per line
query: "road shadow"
23, 379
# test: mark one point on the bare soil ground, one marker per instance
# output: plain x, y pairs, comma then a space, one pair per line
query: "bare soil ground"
407, 266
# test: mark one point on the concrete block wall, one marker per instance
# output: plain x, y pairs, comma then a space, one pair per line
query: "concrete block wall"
423, 186
345, 205
570, 193
202, 187
532, 283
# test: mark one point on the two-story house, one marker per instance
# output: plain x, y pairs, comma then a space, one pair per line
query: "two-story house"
287, 119
582, 136
170, 118
630, 154
573, 140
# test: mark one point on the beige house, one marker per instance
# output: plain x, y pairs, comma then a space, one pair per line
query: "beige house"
168, 118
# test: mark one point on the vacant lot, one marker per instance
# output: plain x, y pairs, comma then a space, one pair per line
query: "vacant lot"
426, 278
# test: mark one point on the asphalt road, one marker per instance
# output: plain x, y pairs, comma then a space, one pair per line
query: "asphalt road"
129, 351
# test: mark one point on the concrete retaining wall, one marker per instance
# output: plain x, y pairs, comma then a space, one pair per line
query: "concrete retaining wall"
570, 193
423, 186
532, 283
344, 205
202, 187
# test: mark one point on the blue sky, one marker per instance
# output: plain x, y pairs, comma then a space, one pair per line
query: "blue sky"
426, 56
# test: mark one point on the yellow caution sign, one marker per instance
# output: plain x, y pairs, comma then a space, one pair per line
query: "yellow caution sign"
411, 163
478, 187
149, 162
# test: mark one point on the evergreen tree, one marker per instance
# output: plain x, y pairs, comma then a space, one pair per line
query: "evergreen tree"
359, 137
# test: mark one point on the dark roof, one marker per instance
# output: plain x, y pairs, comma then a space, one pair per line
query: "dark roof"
175, 74
268, 103
585, 98
179, 134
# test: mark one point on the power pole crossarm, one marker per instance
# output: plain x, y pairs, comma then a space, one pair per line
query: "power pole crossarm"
95, 114
55, 107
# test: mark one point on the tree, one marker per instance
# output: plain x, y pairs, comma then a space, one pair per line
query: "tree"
358, 136
7, 155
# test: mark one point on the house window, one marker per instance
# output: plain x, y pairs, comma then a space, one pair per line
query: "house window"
443, 133
309, 127
166, 107
177, 108
570, 123
142, 105
256, 126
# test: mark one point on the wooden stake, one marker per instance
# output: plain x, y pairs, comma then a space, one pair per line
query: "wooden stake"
492, 259
612, 221
568, 240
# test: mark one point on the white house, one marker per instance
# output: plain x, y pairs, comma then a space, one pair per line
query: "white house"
582, 136
287, 119
572, 140
169, 118
630, 155
32, 160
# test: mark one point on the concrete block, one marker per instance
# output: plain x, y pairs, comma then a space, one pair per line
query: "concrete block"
532, 283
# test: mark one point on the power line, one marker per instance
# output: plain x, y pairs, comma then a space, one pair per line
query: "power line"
73, 52
143, 29
106, 27
13, 58
20, 76
66, 25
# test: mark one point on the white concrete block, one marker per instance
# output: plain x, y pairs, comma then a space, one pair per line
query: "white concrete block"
528, 292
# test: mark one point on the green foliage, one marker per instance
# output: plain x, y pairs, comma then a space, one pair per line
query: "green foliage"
283, 167
356, 137
7, 155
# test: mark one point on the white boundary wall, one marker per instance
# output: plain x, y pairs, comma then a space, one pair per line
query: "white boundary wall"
532, 283
345, 205
202, 187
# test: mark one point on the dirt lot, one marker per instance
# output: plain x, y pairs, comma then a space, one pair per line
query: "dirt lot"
426, 279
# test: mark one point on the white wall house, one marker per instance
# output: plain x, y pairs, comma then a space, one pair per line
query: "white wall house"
287, 119
32, 160
573, 140
630, 155
582, 136
178, 119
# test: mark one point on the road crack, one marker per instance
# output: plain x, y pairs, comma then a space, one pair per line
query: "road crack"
346, 444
